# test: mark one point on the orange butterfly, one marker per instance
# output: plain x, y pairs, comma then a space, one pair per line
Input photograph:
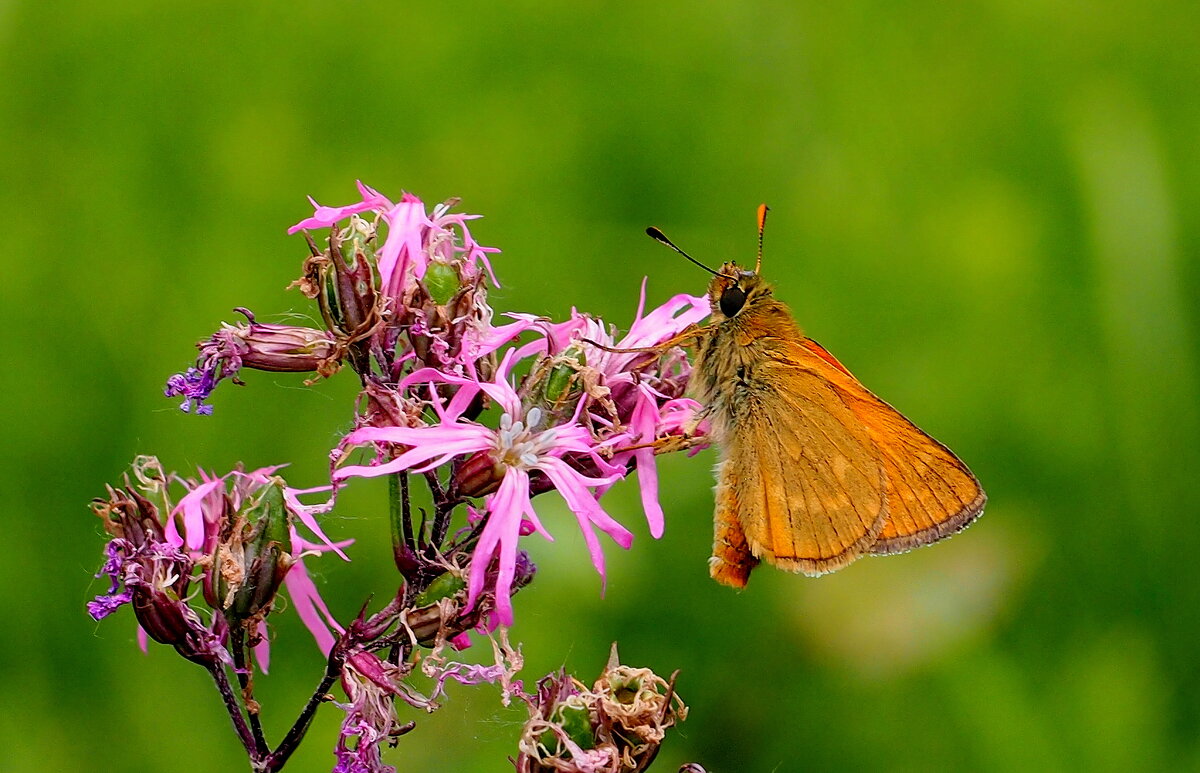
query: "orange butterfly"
814, 471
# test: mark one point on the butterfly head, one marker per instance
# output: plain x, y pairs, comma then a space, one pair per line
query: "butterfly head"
733, 289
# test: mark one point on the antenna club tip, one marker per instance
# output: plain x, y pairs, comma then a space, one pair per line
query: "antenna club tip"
654, 233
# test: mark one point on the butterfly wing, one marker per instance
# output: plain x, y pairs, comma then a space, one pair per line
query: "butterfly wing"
801, 484
930, 493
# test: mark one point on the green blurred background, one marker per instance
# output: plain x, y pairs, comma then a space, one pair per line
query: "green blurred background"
988, 210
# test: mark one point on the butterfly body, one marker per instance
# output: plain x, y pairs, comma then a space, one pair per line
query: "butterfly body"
814, 470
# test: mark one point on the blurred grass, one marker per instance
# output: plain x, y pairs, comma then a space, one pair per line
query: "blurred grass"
988, 210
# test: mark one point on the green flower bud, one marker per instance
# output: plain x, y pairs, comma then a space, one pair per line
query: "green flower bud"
445, 586
563, 379
250, 562
359, 242
441, 282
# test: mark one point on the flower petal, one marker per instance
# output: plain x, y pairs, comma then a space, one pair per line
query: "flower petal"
500, 536
310, 606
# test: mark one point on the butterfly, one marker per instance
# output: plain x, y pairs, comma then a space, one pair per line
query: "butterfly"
814, 470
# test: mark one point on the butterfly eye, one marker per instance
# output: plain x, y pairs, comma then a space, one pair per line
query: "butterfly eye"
732, 300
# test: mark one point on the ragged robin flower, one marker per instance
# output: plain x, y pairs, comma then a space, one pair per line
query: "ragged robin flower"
489, 411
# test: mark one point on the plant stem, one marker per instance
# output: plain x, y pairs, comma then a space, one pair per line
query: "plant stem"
443, 506
333, 669
217, 670
241, 667
406, 513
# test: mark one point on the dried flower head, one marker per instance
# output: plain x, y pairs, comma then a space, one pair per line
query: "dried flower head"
615, 727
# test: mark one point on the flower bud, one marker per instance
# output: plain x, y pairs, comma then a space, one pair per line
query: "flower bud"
161, 614
444, 586
563, 380
478, 476
251, 559
157, 577
351, 295
435, 610
441, 282
277, 348
285, 348
358, 244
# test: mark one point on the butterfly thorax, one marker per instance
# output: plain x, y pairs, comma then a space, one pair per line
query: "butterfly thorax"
747, 327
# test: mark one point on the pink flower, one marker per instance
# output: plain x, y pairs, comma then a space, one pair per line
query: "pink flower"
521, 446
646, 391
372, 685
413, 239
203, 511
640, 385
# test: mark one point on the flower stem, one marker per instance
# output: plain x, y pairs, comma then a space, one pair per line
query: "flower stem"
217, 670
241, 667
404, 545
333, 669
444, 503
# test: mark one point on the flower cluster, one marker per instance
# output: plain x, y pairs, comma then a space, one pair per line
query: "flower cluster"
488, 412
412, 316
233, 538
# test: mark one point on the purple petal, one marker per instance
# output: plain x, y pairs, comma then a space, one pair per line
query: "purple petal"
418, 455
432, 375
573, 488
644, 422
662, 323
402, 246
411, 436
324, 217
500, 390
479, 343
262, 650
587, 511
103, 606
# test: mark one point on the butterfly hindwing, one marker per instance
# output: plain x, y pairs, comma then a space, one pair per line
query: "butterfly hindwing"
930, 493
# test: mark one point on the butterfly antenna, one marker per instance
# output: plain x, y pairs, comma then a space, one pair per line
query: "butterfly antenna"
762, 222
659, 236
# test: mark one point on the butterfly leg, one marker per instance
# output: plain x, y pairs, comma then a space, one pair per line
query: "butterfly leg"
685, 441
688, 439
691, 333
